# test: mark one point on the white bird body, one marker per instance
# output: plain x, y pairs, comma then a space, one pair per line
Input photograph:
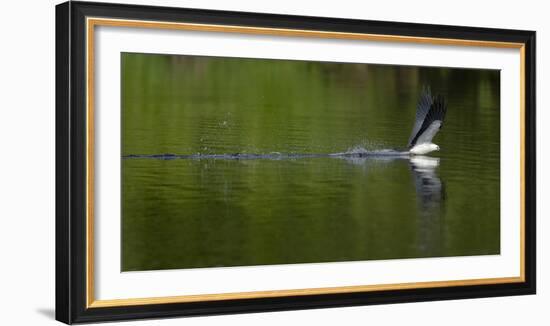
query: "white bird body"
424, 148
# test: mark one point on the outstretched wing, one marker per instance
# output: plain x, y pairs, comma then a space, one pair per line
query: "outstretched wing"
430, 113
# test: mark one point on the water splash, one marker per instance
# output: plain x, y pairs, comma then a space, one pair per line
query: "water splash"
357, 150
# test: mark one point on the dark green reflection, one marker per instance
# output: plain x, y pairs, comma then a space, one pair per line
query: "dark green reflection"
204, 213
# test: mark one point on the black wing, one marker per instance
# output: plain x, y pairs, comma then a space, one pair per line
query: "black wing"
430, 113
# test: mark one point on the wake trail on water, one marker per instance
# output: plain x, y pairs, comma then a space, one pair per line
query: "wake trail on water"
355, 152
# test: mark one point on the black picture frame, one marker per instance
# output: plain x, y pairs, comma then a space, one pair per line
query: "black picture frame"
71, 157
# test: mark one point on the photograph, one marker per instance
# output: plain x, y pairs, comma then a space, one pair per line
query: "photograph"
222, 162
231, 161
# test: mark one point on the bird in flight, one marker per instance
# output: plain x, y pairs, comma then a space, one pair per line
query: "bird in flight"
430, 114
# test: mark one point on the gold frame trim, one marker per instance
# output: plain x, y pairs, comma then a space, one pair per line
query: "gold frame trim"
92, 22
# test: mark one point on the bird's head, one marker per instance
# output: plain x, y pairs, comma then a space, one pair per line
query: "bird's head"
437, 147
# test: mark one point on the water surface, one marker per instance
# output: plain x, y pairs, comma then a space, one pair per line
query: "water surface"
211, 208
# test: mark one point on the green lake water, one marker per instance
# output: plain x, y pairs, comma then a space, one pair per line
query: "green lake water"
192, 213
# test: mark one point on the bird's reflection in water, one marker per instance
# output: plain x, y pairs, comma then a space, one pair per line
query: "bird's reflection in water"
430, 194
429, 187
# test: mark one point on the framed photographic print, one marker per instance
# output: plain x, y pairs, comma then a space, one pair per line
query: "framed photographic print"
215, 162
